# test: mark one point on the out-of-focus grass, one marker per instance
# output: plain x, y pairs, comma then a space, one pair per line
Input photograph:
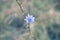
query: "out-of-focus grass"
45, 27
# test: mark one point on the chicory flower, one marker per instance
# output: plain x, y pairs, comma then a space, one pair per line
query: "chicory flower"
29, 19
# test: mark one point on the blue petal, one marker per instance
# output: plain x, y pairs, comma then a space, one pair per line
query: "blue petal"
29, 20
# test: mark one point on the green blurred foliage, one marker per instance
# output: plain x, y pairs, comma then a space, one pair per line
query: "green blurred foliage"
17, 27
43, 5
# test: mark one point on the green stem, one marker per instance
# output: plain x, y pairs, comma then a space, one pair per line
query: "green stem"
30, 34
20, 5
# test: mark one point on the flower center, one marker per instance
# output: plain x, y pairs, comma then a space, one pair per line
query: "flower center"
29, 20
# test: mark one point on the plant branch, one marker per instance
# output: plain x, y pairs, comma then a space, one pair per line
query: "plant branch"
30, 34
20, 5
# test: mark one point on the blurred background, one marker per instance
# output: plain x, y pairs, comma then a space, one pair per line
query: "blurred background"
45, 27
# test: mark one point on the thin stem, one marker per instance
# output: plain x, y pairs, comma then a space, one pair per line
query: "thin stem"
20, 5
30, 34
